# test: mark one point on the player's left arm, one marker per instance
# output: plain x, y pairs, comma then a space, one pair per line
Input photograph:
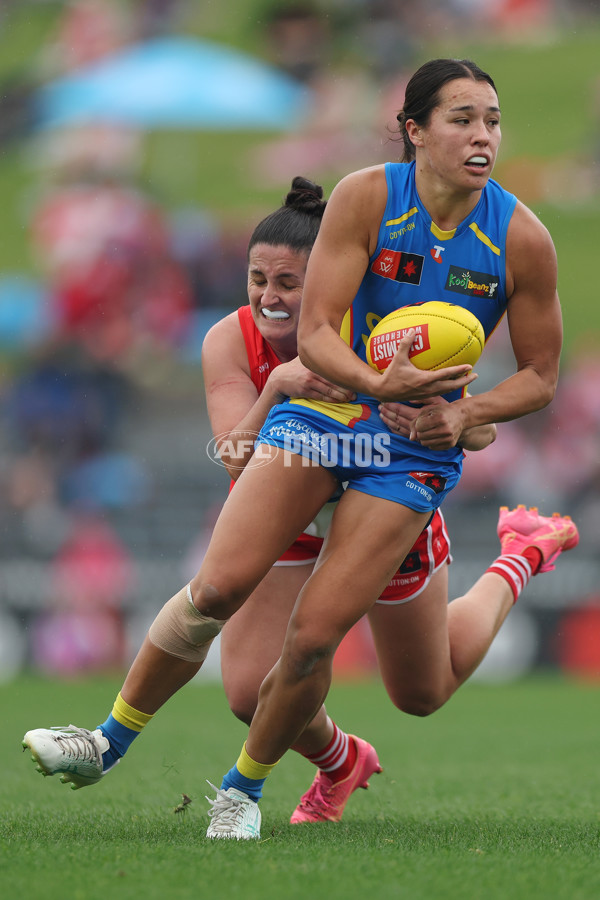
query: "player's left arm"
535, 326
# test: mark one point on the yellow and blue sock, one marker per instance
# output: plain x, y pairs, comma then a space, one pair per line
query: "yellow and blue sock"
247, 776
121, 728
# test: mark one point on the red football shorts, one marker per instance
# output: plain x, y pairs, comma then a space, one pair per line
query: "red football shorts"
429, 553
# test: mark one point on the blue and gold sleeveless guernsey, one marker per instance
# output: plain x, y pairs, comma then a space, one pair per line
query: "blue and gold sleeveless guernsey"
415, 261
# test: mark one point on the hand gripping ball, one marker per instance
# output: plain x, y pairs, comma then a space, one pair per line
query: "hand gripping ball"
445, 335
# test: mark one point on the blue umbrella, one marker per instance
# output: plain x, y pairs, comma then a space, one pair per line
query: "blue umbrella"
176, 83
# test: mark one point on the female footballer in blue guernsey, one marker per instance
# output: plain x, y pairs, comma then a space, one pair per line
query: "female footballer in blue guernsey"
440, 216
444, 231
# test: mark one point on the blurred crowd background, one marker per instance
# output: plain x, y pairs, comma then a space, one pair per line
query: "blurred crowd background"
123, 238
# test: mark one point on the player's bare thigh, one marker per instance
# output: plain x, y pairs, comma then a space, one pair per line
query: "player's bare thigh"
269, 507
368, 539
413, 648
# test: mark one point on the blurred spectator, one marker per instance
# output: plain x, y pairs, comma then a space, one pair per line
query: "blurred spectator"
298, 38
116, 287
87, 32
152, 18
63, 415
90, 580
82, 218
90, 151
92, 569
61, 406
30, 489
107, 481
387, 35
523, 19
213, 256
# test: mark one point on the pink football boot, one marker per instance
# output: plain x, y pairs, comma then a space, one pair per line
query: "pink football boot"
521, 528
325, 800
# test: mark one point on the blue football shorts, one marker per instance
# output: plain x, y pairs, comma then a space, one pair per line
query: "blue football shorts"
353, 441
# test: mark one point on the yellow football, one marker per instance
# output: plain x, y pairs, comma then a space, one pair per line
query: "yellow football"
445, 335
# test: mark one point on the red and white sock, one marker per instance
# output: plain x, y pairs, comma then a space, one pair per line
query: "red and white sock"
337, 759
517, 570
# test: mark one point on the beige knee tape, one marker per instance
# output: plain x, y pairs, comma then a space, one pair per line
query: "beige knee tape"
181, 630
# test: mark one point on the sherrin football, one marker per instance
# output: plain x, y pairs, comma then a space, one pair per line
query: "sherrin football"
445, 335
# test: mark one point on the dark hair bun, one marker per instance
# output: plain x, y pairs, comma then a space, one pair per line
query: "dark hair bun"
306, 196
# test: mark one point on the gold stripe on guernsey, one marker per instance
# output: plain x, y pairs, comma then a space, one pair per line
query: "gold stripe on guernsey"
442, 235
484, 238
345, 413
346, 328
403, 218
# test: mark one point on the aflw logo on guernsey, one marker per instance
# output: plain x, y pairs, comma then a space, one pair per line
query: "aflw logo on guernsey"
384, 346
399, 266
474, 284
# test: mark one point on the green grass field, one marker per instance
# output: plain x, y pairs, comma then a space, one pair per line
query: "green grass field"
495, 796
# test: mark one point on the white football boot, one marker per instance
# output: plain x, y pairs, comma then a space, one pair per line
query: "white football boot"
74, 753
233, 815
